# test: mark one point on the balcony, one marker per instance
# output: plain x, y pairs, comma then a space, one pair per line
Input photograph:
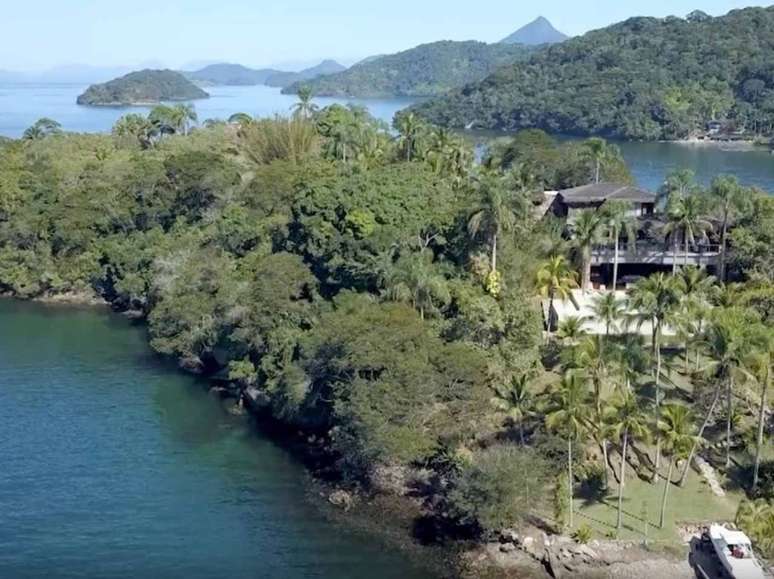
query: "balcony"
656, 254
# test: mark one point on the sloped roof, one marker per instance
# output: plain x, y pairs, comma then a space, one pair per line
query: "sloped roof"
597, 192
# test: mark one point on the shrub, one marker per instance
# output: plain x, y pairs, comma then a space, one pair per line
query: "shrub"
583, 534
501, 488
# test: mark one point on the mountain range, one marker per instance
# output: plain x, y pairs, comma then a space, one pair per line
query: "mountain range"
644, 78
238, 75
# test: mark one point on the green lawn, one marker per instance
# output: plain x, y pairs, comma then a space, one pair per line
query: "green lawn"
693, 503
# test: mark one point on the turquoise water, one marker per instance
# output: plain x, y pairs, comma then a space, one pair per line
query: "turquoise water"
22, 104
116, 466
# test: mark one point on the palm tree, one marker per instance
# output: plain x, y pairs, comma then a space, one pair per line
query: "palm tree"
729, 342
410, 130
627, 422
42, 128
516, 401
585, 231
184, 114
416, 280
656, 299
727, 194
555, 278
571, 329
617, 221
631, 359
678, 185
598, 151
696, 287
137, 127
609, 309
676, 428
498, 212
567, 415
761, 368
304, 108
686, 219
241, 119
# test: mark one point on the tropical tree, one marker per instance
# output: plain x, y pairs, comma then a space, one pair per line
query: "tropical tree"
183, 115
411, 130
571, 330
655, 300
136, 127
555, 279
679, 184
585, 233
609, 309
728, 197
416, 280
729, 340
617, 221
676, 428
685, 218
760, 365
626, 423
498, 211
41, 129
566, 415
241, 119
597, 151
516, 401
305, 107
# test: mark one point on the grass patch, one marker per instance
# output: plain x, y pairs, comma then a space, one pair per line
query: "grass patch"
642, 505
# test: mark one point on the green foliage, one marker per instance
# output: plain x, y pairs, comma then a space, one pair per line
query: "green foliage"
429, 69
502, 488
645, 78
142, 87
583, 534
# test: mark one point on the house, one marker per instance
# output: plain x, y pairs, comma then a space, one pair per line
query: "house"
569, 202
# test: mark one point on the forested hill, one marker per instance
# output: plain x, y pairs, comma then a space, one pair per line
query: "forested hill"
426, 70
231, 74
142, 87
644, 78
283, 79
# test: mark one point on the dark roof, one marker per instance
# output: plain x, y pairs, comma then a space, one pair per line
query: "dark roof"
606, 191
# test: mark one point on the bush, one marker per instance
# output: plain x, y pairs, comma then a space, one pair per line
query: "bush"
501, 488
583, 534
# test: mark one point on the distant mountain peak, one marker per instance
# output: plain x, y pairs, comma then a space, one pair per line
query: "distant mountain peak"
539, 31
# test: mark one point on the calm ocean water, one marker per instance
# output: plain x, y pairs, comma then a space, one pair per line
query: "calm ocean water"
116, 466
22, 104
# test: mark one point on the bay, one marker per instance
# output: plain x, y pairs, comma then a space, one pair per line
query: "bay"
116, 465
22, 104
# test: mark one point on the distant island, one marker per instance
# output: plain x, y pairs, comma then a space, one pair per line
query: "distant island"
646, 78
539, 31
227, 74
142, 88
426, 70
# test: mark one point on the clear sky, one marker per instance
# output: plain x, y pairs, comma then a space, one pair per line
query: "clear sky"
36, 34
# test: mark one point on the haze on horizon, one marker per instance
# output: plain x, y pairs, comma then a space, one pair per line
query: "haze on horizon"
182, 33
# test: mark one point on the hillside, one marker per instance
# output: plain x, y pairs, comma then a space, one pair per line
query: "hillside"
231, 74
644, 78
539, 31
142, 87
283, 79
428, 69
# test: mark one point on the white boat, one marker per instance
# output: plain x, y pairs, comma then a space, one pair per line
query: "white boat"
735, 552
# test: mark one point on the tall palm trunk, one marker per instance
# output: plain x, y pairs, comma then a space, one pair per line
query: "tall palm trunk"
494, 252
723, 242
550, 316
675, 245
761, 418
615, 261
667, 482
586, 276
658, 398
619, 523
569, 474
704, 425
597, 167
729, 411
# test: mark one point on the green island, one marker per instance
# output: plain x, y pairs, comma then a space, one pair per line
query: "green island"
499, 344
142, 88
238, 75
426, 70
645, 78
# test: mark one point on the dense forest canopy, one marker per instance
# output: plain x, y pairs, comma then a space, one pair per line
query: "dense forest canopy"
142, 87
380, 292
429, 69
645, 78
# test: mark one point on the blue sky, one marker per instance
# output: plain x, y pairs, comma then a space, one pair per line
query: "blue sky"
36, 34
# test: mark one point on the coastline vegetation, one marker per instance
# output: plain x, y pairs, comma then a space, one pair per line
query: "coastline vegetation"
383, 291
